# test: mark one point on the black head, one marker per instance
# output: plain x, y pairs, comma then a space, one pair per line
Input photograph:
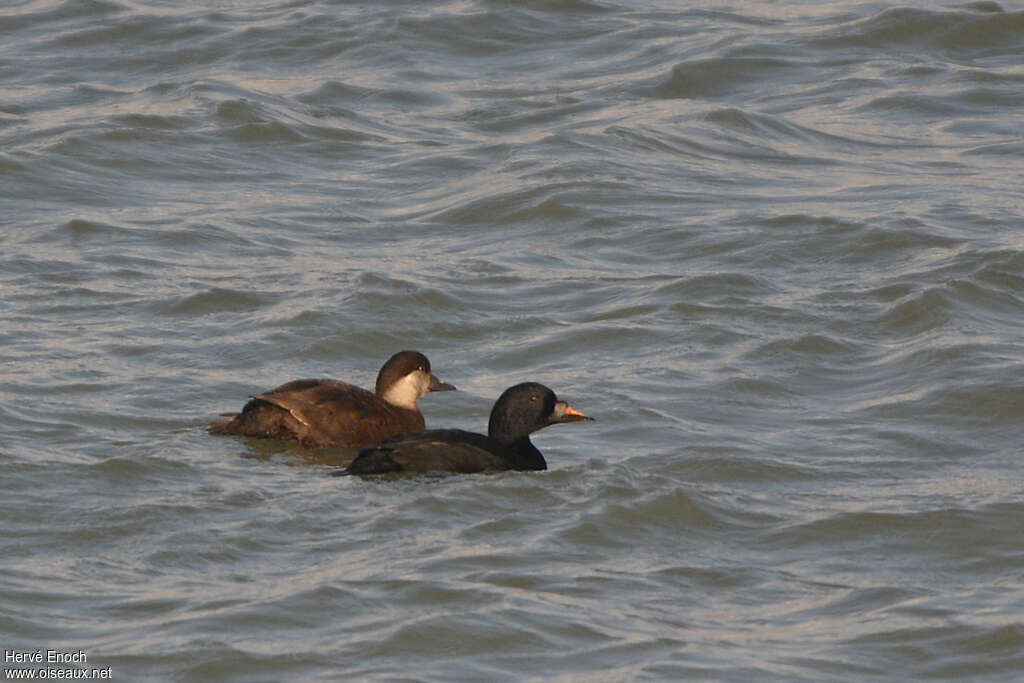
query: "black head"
525, 408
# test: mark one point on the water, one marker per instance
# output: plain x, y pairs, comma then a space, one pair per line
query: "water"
774, 247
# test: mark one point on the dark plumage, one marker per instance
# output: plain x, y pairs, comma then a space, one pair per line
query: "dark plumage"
518, 412
329, 412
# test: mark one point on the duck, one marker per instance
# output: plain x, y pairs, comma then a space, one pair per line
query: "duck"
519, 411
322, 413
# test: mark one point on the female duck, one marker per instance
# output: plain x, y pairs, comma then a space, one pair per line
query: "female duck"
329, 412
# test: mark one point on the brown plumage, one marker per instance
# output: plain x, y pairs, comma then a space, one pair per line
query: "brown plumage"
328, 412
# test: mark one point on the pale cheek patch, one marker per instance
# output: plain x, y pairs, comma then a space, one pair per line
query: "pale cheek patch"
407, 390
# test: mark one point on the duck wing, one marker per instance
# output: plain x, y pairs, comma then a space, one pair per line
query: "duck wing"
321, 413
437, 450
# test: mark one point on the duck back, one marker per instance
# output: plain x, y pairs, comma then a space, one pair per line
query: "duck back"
320, 413
445, 450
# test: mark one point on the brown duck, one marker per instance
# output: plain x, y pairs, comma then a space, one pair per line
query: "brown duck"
328, 412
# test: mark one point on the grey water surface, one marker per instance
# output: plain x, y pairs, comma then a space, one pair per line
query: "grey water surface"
775, 247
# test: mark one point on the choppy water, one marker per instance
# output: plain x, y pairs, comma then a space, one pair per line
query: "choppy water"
776, 248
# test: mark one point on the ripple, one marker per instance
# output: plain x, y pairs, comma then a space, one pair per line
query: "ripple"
721, 76
217, 300
949, 30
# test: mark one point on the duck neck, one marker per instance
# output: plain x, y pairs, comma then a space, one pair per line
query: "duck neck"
525, 456
402, 393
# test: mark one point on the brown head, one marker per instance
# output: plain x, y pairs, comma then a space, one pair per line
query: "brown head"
405, 377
